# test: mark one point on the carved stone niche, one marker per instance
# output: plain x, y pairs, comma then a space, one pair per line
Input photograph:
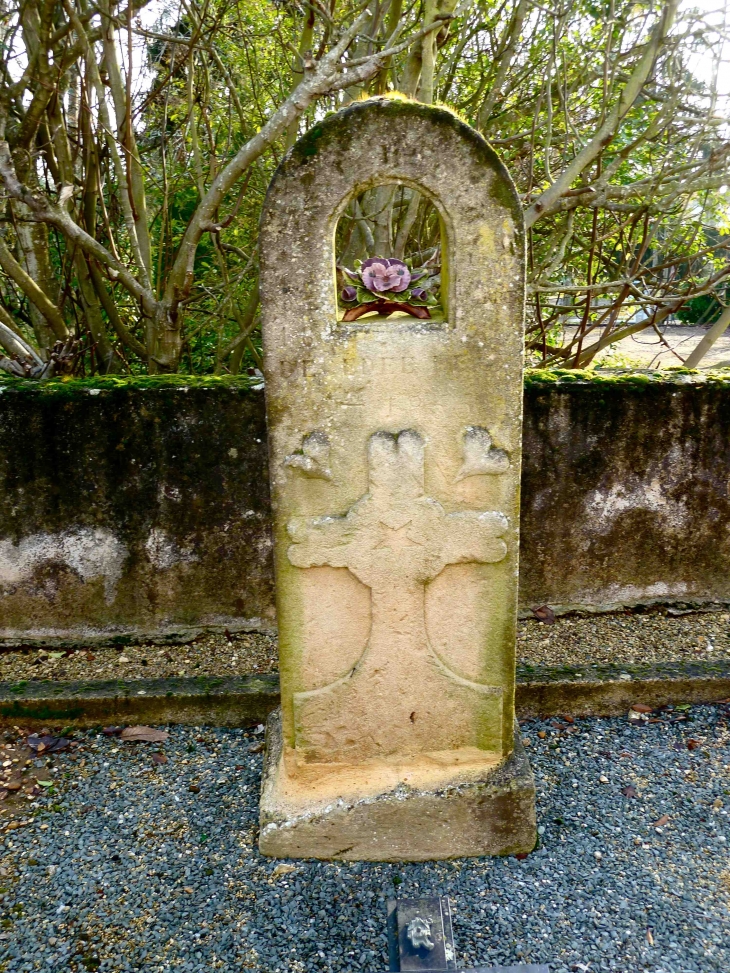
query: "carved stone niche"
395, 465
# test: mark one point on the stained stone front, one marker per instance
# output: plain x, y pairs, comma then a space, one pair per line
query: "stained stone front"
395, 465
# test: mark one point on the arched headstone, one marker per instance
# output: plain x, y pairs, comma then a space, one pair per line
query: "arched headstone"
395, 469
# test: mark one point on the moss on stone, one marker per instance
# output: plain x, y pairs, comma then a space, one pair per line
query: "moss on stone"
535, 377
73, 387
41, 711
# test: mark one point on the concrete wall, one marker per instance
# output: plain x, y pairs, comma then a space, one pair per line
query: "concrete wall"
625, 492
142, 506
137, 506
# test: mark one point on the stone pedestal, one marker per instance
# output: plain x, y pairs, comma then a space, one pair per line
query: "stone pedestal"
397, 812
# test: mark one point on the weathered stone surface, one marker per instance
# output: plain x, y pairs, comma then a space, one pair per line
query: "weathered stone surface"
395, 540
394, 459
241, 701
548, 691
625, 492
137, 507
602, 486
475, 812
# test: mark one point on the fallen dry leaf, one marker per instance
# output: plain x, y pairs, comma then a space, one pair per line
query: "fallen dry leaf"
283, 870
717, 803
693, 744
143, 734
159, 758
630, 791
642, 708
542, 734
544, 614
568, 719
664, 819
194, 788
47, 744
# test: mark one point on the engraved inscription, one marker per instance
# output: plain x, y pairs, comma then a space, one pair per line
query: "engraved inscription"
297, 368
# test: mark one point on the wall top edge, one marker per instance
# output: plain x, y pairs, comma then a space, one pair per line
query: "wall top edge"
534, 377
624, 376
142, 383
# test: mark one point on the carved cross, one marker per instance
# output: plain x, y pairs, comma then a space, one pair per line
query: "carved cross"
400, 697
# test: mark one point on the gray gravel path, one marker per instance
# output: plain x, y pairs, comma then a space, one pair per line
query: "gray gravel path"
124, 868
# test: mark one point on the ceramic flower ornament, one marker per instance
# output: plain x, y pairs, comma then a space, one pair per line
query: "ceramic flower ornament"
385, 285
388, 274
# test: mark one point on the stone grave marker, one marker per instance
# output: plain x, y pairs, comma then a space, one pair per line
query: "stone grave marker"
395, 469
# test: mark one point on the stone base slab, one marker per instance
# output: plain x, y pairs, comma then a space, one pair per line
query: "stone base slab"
494, 815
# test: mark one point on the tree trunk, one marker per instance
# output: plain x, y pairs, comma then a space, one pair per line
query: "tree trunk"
33, 246
717, 330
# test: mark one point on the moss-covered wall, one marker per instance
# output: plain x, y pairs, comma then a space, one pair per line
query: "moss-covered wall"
132, 506
142, 506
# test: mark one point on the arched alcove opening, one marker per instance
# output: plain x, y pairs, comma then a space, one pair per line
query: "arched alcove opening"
390, 248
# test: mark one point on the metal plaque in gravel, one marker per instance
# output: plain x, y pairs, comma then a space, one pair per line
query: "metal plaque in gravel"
421, 939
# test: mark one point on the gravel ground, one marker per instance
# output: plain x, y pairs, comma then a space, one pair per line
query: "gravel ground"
625, 638
621, 638
233, 655
125, 864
